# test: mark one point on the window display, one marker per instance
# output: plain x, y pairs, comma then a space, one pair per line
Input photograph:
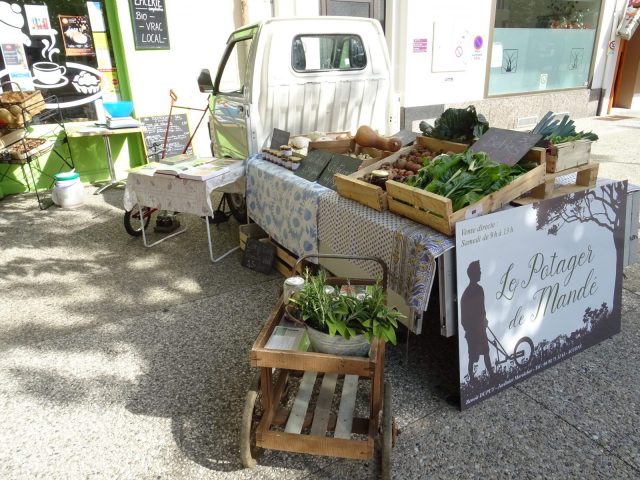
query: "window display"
60, 49
542, 45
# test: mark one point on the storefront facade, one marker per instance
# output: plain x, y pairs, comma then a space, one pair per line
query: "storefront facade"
80, 53
514, 59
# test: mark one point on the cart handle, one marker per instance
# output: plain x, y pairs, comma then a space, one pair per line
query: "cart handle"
344, 257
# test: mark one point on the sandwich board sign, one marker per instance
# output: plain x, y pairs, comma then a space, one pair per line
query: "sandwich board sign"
537, 284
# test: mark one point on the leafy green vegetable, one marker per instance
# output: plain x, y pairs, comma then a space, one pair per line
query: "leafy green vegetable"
560, 131
466, 177
457, 124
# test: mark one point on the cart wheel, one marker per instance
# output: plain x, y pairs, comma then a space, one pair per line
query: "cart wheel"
238, 206
249, 453
135, 220
387, 433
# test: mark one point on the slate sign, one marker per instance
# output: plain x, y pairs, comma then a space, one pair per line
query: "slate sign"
279, 138
259, 256
406, 137
149, 19
505, 146
339, 164
313, 165
156, 128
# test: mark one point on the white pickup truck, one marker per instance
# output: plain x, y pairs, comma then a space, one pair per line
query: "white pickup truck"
299, 75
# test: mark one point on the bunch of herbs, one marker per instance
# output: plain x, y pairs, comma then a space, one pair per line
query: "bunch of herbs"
346, 315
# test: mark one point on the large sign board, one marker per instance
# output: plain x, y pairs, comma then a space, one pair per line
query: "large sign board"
537, 284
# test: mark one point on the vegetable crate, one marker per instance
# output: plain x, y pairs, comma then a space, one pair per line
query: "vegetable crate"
307, 402
585, 177
568, 155
353, 187
437, 211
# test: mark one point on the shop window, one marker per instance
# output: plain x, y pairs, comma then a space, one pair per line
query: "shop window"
61, 48
234, 68
542, 45
312, 53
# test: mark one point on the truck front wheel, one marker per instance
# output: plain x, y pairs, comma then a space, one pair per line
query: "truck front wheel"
238, 206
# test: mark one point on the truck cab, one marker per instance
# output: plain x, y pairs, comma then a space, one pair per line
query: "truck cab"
301, 75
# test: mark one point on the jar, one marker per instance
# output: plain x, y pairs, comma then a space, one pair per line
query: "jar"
286, 150
379, 178
291, 286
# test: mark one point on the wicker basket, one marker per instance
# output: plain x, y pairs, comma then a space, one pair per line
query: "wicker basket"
31, 102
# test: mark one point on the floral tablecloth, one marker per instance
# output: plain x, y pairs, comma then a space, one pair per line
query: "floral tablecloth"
409, 249
284, 205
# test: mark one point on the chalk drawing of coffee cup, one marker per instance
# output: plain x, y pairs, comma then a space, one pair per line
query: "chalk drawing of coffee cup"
48, 73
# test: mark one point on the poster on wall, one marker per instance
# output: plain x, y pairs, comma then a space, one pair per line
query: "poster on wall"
96, 16
76, 35
537, 284
38, 20
15, 61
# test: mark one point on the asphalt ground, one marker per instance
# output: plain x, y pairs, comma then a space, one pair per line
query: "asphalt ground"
119, 361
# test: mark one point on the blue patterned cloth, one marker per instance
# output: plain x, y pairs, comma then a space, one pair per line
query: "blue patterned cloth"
284, 205
409, 249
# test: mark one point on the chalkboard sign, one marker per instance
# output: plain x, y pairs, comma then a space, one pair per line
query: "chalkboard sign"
505, 146
259, 256
338, 164
406, 137
156, 128
312, 166
149, 20
279, 138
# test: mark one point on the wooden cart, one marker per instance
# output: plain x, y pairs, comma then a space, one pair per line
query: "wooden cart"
331, 425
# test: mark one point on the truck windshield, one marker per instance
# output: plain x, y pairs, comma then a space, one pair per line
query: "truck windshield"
312, 53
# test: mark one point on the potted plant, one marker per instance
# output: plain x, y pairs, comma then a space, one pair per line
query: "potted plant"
342, 324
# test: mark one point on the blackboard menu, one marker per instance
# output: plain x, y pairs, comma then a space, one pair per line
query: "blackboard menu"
313, 165
149, 19
406, 137
259, 256
505, 146
338, 164
156, 128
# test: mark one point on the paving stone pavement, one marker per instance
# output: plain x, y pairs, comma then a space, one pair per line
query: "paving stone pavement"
119, 361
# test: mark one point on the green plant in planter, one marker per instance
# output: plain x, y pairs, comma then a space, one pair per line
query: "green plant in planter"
346, 315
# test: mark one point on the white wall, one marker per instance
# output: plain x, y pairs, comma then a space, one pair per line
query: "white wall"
296, 8
434, 57
198, 31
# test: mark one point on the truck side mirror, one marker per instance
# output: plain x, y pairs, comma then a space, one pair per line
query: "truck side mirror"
205, 84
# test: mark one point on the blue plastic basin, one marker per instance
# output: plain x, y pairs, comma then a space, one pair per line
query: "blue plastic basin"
118, 109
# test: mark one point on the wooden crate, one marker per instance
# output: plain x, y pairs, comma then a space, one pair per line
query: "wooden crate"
336, 146
250, 230
285, 260
373, 196
586, 176
568, 155
440, 145
437, 211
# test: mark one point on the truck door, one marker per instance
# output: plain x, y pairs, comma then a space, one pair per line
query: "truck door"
231, 98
